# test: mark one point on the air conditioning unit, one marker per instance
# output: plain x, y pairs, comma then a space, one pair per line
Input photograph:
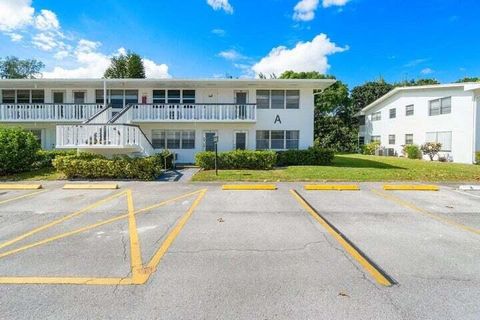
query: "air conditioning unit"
390, 152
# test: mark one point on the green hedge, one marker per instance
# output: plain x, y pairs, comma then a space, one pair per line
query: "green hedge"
239, 159
89, 166
309, 157
477, 157
18, 150
44, 158
412, 151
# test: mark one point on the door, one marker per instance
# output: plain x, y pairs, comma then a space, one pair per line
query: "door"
240, 142
241, 98
209, 138
58, 97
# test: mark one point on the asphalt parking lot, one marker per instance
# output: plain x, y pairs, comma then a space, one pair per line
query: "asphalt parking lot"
195, 251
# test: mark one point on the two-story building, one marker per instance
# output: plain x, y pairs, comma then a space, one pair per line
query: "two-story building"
145, 116
448, 114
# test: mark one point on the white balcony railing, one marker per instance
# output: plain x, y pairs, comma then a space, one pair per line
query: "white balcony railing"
19, 112
191, 113
103, 136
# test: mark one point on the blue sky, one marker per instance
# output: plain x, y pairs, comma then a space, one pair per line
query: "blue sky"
355, 40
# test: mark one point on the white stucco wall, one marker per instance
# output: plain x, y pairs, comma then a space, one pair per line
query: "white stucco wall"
460, 121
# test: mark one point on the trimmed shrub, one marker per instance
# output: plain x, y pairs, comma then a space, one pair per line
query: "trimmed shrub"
477, 157
18, 149
239, 159
412, 151
370, 148
431, 149
310, 157
89, 166
45, 158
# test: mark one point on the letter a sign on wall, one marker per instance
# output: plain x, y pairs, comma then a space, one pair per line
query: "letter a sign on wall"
277, 119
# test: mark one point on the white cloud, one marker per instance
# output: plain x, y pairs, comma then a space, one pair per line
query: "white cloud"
45, 41
305, 56
426, 71
414, 63
221, 5
305, 10
15, 37
47, 20
15, 14
219, 32
331, 3
231, 54
90, 63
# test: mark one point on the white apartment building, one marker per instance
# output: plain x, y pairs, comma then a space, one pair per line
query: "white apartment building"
449, 114
145, 116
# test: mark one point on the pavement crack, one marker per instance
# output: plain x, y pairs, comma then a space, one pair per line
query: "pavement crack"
124, 243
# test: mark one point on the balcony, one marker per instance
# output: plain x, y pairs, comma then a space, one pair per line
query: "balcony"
46, 112
129, 138
190, 113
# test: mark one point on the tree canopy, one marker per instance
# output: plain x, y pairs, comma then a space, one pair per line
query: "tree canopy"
128, 65
14, 68
469, 79
368, 92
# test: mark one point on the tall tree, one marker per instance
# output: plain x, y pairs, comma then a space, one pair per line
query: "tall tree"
335, 122
14, 68
368, 92
128, 65
469, 79
418, 82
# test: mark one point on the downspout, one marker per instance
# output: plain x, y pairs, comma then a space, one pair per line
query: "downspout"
476, 100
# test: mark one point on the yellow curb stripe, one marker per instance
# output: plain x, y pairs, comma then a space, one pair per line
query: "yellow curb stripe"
157, 257
63, 219
347, 245
413, 207
413, 187
326, 187
66, 280
84, 186
249, 187
14, 186
22, 196
92, 226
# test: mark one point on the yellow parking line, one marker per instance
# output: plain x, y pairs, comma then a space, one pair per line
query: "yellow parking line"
249, 187
15, 186
82, 186
326, 187
139, 275
412, 187
157, 257
92, 226
349, 247
413, 207
63, 219
22, 196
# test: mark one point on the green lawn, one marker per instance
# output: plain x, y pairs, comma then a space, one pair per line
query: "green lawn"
355, 167
42, 174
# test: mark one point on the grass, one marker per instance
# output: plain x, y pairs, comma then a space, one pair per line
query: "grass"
355, 167
41, 174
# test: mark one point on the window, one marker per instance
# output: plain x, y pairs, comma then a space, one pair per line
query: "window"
263, 139
131, 96
391, 139
38, 134
376, 116
375, 139
292, 138
116, 98
173, 96
409, 110
361, 120
444, 138
8, 96
278, 99
99, 96
277, 139
240, 140
409, 138
38, 96
188, 96
23, 96
393, 113
188, 139
361, 141
173, 139
263, 99
79, 97
159, 96
293, 99
440, 106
